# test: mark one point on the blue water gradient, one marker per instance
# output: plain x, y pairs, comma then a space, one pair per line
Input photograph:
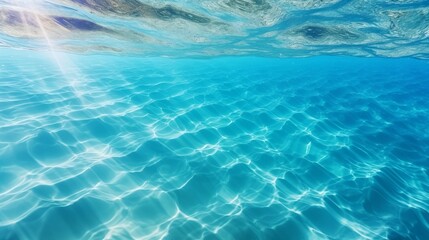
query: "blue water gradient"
103, 147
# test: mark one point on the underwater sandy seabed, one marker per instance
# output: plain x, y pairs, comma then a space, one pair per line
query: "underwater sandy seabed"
117, 147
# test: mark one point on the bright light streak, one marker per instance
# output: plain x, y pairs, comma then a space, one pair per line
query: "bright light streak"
70, 74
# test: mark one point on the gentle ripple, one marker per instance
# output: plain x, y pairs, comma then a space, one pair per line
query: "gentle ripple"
231, 148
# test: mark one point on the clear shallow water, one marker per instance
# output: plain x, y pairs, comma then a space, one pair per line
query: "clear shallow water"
103, 147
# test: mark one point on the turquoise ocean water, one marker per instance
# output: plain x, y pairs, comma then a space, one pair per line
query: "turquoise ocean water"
244, 119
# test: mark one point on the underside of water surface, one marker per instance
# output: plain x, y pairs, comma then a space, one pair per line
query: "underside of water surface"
389, 28
226, 119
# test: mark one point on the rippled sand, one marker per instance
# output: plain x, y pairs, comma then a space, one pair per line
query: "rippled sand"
228, 148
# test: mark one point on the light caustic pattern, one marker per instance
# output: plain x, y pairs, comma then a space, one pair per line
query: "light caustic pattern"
228, 148
389, 28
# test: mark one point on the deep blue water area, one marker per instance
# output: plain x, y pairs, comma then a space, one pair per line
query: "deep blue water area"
117, 147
